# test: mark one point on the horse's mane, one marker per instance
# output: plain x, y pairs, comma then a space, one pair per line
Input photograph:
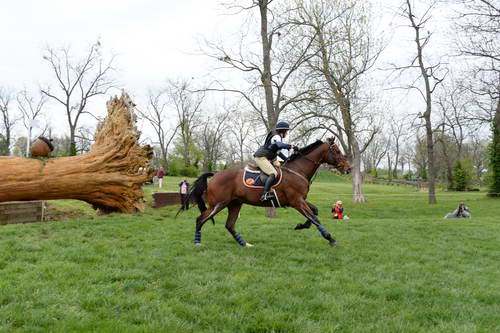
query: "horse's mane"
307, 149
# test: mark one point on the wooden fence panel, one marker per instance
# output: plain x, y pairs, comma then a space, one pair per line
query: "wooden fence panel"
21, 212
168, 199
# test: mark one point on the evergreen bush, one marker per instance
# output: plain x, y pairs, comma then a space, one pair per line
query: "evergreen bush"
460, 180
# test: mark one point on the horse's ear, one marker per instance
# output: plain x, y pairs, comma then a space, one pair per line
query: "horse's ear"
332, 139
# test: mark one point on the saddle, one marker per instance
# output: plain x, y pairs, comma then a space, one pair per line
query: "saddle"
253, 177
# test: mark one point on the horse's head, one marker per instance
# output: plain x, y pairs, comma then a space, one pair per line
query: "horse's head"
335, 157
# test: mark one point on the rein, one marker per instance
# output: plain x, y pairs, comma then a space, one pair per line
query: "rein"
316, 163
308, 159
297, 174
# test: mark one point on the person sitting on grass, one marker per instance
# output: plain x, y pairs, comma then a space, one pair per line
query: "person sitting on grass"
338, 212
461, 212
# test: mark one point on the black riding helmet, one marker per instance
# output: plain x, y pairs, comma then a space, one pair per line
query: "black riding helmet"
282, 125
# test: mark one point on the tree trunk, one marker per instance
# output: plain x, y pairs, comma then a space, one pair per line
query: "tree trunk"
266, 78
109, 177
494, 190
357, 178
266, 60
72, 143
426, 72
389, 166
431, 171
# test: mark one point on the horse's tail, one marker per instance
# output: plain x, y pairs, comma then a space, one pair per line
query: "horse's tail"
199, 187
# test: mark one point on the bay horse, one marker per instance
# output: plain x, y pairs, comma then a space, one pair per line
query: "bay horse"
226, 189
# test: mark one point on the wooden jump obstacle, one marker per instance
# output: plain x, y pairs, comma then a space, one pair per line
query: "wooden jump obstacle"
21, 212
162, 199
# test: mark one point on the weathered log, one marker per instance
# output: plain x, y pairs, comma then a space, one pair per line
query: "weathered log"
109, 177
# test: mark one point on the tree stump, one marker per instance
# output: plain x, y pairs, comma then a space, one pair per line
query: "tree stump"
109, 177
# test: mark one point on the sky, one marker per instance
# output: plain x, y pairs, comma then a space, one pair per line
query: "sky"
152, 40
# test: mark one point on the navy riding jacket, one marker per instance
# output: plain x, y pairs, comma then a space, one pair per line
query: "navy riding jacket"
271, 148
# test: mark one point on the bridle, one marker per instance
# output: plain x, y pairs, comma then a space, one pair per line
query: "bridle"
316, 163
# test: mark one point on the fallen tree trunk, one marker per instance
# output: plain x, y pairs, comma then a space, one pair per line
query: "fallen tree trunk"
109, 177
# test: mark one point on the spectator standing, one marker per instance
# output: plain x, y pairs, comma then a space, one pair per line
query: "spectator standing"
184, 190
160, 175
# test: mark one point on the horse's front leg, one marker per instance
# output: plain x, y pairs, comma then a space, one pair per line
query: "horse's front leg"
307, 223
303, 207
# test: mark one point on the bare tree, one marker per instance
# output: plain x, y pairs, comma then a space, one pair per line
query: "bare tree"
478, 25
271, 74
453, 102
397, 131
188, 107
240, 130
431, 76
156, 114
374, 153
7, 121
77, 82
31, 110
213, 133
407, 157
84, 138
478, 152
420, 156
344, 52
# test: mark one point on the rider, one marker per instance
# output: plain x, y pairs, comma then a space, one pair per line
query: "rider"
269, 151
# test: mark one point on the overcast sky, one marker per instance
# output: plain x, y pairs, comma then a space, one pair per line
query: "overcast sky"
153, 40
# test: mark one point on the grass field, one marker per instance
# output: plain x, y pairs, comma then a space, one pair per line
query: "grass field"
399, 268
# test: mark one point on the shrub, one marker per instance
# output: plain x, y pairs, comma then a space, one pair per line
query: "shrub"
408, 176
189, 171
173, 169
461, 176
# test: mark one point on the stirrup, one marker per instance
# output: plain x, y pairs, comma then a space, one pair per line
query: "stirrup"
266, 196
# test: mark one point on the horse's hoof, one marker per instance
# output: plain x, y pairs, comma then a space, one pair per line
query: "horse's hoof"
333, 243
198, 244
248, 245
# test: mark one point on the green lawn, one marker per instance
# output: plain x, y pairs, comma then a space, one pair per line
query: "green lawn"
399, 268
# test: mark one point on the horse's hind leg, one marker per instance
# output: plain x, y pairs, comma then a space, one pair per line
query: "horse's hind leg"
234, 210
304, 208
307, 223
204, 217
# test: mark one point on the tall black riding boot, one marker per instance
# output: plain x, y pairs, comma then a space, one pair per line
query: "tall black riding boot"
267, 187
